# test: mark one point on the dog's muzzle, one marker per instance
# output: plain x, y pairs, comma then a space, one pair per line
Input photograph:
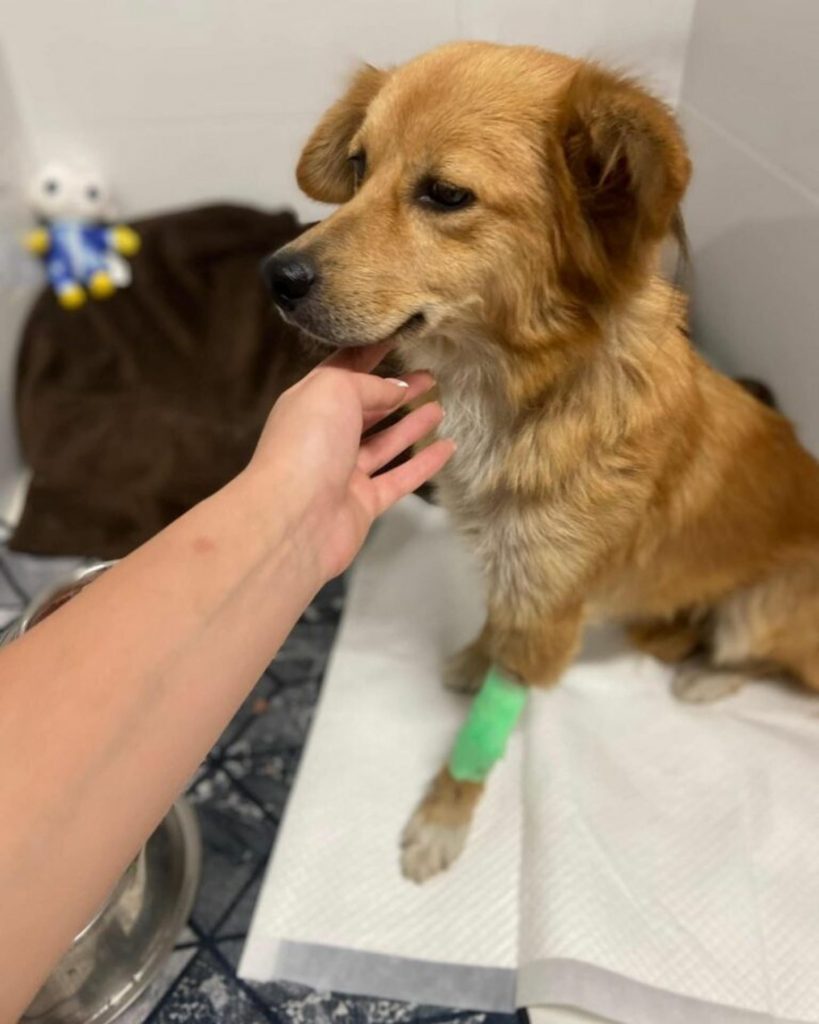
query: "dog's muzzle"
289, 276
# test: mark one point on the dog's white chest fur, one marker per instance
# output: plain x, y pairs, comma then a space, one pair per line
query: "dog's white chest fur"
470, 420
480, 419
473, 410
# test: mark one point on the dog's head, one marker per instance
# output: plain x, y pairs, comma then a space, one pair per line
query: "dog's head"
479, 184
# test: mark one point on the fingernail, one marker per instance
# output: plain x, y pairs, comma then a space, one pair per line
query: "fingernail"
399, 383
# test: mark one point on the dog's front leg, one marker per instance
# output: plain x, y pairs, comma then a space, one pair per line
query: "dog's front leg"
526, 651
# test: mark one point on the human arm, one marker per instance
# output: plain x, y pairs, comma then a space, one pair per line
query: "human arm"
108, 706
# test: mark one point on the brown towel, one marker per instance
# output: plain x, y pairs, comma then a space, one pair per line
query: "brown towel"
133, 409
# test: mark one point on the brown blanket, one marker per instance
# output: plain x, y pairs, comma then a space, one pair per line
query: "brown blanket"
133, 409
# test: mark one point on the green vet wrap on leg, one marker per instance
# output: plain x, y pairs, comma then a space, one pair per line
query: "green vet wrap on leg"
483, 736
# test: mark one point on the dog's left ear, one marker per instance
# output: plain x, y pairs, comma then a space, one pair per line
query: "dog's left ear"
627, 171
324, 170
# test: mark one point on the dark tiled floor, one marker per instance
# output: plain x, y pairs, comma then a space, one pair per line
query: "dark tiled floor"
239, 794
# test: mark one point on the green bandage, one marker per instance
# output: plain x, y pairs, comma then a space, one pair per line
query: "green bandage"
483, 736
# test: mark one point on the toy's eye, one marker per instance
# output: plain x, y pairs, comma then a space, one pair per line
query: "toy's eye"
51, 186
93, 193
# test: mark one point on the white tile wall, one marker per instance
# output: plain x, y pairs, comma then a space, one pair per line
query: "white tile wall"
753, 68
749, 100
19, 277
187, 100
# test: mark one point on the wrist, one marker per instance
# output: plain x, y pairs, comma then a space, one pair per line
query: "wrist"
281, 524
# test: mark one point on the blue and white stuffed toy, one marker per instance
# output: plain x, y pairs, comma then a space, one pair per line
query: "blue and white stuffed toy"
82, 252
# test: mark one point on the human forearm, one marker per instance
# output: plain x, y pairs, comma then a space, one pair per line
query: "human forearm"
134, 680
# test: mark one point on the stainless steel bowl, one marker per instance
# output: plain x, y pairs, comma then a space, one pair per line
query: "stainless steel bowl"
119, 952
117, 955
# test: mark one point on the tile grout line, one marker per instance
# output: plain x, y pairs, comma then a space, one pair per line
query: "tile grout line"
218, 761
258, 870
253, 799
169, 991
210, 946
748, 149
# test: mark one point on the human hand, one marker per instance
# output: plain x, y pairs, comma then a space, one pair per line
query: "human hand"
313, 444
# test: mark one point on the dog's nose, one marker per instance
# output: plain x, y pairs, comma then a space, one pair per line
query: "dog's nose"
289, 277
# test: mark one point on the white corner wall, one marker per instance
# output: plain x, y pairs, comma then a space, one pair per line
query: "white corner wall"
183, 101
749, 101
19, 279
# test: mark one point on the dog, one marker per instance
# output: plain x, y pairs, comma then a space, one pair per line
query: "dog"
501, 214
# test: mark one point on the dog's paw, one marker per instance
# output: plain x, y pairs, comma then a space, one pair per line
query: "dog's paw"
705, 685
466, 670
429, 847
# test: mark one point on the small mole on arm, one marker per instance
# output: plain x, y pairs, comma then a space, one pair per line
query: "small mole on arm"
203, 545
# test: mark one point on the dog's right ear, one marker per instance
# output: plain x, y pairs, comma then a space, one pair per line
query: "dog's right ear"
324, 171
628, 168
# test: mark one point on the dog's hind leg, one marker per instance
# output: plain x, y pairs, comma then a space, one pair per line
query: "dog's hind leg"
808, 671
700, 682
767, 631
669, 640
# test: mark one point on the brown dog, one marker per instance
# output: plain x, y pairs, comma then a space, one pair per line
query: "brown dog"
502, 213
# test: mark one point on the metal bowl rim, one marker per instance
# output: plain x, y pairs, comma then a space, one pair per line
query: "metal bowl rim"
184, 817
45, 596
192, 846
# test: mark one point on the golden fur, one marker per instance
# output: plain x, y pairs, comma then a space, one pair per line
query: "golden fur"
603, 468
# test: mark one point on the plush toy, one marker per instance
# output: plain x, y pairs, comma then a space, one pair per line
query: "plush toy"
83, 252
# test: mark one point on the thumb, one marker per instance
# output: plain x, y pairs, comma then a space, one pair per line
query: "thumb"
380, 394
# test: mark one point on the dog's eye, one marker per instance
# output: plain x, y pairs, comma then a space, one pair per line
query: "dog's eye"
358, 162
443, 196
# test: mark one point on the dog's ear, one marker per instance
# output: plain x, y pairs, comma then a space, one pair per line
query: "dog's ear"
324, 171
627, 168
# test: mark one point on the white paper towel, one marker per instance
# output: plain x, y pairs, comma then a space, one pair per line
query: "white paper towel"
634, 858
